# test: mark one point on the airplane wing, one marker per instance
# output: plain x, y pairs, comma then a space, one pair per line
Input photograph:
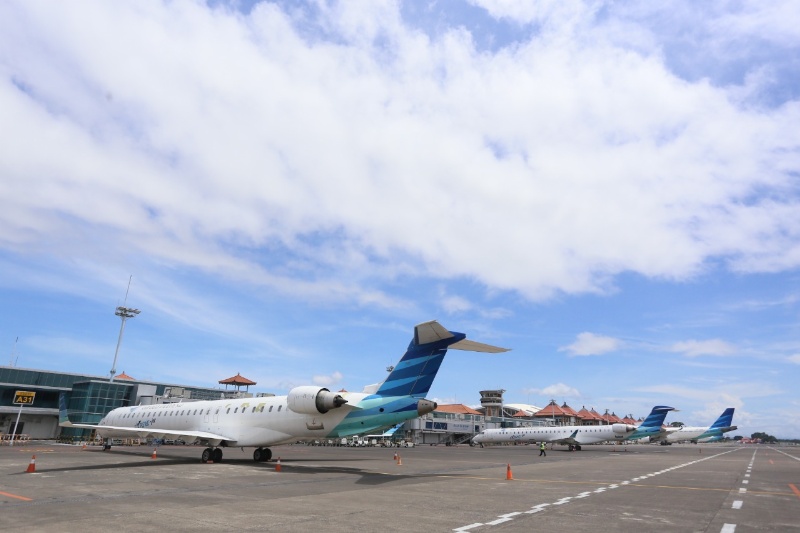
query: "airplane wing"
146, 432
568, 440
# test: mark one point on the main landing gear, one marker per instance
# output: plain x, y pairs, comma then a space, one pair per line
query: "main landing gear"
574, 447
262, 454
213, 455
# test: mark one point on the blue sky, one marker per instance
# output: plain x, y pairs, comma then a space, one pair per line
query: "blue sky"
610, 189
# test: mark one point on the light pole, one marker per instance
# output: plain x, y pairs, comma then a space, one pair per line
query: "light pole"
124, 313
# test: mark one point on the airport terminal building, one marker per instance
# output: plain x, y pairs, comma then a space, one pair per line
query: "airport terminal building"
88, 397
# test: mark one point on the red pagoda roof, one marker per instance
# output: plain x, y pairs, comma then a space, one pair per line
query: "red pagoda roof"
123, 375
457, 408
552, 410
237, 380
585, 414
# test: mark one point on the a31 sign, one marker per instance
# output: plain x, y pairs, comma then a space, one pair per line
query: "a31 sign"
22, 397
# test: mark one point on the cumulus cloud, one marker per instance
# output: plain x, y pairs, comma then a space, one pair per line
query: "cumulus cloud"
328, 163
327, 381
557, 390
591, 344
695, 348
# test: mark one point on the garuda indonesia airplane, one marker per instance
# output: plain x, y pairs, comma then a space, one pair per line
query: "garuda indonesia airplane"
306, 413
711, 433
575, 436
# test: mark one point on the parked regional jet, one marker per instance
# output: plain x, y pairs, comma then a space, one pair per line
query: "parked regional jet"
574, 436
722, 425
306, 413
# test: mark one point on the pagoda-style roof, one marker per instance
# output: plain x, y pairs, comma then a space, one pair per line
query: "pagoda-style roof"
589, 418
238, 381
629, 420
457, 408
569, 410
552, 410
123, 375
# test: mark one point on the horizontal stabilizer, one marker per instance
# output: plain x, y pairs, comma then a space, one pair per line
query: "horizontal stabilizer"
472, 346
428, 332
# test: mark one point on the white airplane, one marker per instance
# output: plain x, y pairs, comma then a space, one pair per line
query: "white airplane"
574, 436
306, 413
715, 431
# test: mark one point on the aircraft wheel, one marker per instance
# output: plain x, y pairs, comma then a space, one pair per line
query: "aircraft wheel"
258, 455
206, 457
216, 455
266, 454
578, 447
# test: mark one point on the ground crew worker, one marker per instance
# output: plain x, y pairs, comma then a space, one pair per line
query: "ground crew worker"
541, 449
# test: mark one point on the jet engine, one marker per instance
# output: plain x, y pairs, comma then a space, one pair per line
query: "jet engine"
311, 400
622, 428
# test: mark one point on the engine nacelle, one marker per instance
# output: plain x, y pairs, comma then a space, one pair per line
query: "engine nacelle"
622, 428
311, 400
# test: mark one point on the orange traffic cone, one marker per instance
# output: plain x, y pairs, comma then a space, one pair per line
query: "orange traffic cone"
508, 471
84, 446
32, 466
278, 465
399, 460
395, 457
154, 454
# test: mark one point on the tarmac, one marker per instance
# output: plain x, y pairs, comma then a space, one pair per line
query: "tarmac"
633, 488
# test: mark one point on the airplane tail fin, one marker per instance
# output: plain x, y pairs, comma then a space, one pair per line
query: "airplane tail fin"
63, 418
724, 420
656, 417
414, 374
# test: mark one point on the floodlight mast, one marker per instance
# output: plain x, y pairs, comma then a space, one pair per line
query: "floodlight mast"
124, 313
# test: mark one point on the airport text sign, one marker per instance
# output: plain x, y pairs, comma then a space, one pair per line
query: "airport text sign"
22, 397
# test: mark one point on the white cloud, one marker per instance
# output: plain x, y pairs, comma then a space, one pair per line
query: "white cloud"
695, 348
794, 358
244, 147
591, 344
327, 381
557, 390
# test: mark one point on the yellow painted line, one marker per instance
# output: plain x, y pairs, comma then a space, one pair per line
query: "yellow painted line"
795, 490
23, 498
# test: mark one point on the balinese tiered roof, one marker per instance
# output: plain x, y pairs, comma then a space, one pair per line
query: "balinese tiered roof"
629, 420
457, 408
552, 410
570, 411
123, 375
589, 417
611, 418
238, 381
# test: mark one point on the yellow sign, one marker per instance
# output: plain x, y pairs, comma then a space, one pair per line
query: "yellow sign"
22, 397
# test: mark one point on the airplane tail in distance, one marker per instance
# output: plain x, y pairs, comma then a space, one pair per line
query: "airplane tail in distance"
413, 375
725, 419
656, 417
63, 419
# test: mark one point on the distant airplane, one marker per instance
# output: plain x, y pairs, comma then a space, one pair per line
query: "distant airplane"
308, 412
722, 425
573, 436
652, 425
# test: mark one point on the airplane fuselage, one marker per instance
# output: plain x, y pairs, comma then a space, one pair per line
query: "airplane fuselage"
559, 434
261, 421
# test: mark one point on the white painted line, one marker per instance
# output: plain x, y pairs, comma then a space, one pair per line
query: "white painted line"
747, 475
745, 482
742, 490
498, 521
728, 528
467, 528
737, 504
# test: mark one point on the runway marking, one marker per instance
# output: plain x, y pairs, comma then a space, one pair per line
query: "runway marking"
501, 519
795, 490
737, 504
728, 528
742, 491
745, 482
787, 455
23, 498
